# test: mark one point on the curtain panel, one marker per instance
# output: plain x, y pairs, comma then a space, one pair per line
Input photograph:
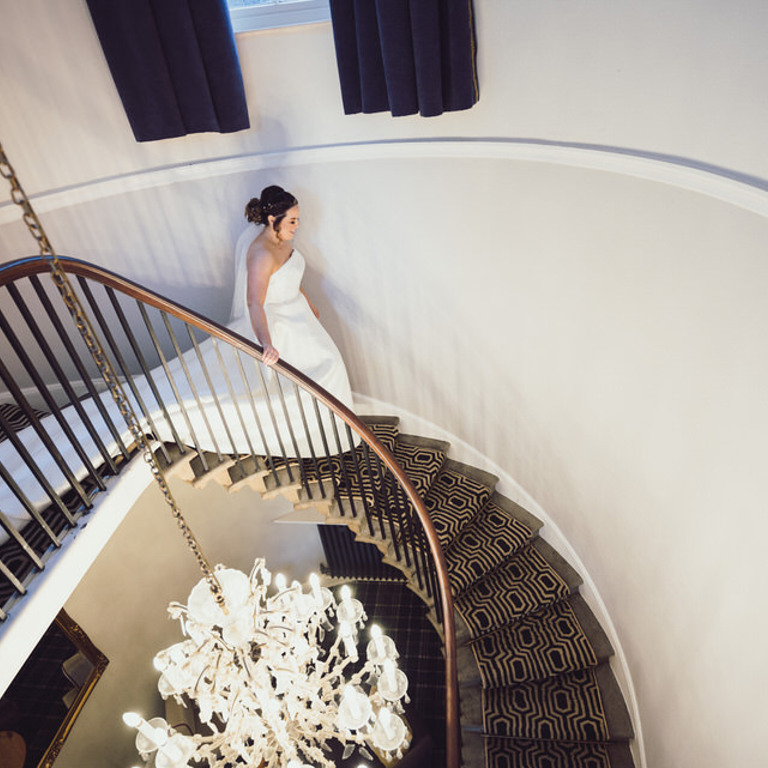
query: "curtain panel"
174, 63
405, 56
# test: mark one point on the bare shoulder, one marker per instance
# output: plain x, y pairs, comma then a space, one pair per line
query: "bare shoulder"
260, 260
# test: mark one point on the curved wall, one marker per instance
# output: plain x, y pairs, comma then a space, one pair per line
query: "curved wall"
598, 334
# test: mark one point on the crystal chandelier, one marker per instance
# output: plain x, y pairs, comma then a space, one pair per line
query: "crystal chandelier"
271, 680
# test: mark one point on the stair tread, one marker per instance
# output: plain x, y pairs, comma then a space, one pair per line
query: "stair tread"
421, 459
568, 707
544, 644
582, 706
532, 578
526, 753
386, 428
453, 500
522, 585
493, 536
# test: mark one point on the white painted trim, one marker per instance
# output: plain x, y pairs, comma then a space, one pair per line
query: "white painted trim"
722, 184
31, 616
509, 487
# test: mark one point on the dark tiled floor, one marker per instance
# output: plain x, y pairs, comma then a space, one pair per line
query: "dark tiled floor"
401, 615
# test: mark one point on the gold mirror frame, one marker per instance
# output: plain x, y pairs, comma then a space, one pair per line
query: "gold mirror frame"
98, 660
96, 664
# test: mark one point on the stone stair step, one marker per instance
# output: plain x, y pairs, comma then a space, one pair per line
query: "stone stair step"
216, 473
520, 753
284, 482
248, 474
317, 494
544, 644
500, 529
472, 750
456, 495
179, 462
569, 707
471, 705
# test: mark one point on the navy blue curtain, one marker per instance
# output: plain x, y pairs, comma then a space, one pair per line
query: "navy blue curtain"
405, 56
174, 63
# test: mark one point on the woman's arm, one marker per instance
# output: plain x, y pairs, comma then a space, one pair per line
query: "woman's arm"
311, 305
260, 268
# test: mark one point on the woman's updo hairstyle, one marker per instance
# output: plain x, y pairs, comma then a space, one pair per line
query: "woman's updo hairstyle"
274, 201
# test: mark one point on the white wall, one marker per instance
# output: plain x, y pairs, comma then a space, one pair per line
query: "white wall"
599, 335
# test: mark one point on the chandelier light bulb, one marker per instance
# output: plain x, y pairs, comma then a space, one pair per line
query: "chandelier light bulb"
380, 647
389, 733
393, 683
390, 674
355, 708
314, 583
131, 719
350, 610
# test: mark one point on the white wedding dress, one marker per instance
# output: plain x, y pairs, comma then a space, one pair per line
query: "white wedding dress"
241, 408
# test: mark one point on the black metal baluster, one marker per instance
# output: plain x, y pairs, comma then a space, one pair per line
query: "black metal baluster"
352, 453
127, 375
63, 379
328, 458
309, 441
417, 536
254, 409
344, 475
302, 474
42, 434
77, 360
126, 326
214, 394
169, 376
192, 385
39, 476
51, 404
15, 534
268, 402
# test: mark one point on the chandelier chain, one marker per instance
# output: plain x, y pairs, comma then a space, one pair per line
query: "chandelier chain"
96, 350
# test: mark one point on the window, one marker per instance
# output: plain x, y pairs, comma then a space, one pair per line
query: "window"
249, 15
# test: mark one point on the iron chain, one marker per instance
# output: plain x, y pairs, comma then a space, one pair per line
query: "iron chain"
88, 335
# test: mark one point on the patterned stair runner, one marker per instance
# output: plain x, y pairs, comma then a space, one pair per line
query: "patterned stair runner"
548, 698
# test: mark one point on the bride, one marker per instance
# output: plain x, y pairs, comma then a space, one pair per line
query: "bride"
268, 299
201, 401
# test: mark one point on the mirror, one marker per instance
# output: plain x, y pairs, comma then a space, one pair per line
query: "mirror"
39, 708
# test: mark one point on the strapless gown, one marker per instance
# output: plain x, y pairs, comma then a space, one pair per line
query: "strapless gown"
296, 333
254, 410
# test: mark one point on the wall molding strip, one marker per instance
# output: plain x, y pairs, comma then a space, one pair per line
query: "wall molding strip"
726, 185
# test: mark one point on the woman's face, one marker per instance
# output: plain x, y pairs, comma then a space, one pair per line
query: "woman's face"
289, 224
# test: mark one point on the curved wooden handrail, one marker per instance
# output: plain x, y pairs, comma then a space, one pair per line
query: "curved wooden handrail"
36, 265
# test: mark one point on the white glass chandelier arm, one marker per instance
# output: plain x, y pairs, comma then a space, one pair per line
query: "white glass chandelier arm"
265, 674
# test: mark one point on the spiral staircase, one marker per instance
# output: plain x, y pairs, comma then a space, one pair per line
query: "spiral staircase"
536, 687
535, 684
